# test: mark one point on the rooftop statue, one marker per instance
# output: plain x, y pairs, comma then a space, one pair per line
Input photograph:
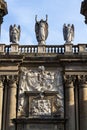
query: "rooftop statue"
14, 33
3, 11
68, 32
41, 30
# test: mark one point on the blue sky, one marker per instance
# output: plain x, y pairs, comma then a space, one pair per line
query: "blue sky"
22, 12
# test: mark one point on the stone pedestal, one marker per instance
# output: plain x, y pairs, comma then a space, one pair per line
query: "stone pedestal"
2, 48
83, 102
1, 102
68, 48
41, 49
82, 49
69, 103
12, 103
14, 49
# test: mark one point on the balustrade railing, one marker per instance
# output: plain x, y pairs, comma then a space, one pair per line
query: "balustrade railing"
7, 49
56, 49
75, 49
28, 49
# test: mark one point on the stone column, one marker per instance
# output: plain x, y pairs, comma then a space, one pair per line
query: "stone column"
12, 102
83, 102
69, 103
1, 102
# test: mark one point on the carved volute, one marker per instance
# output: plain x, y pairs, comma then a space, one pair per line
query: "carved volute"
69, 80
82, 79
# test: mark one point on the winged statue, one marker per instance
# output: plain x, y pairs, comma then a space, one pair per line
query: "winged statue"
41, 30
68, 32
14, 33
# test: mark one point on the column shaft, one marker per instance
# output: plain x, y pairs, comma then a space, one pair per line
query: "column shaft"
83, 106
12, 104
69, 105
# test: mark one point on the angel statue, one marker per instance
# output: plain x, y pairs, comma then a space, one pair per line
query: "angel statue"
14, 33
68, 32
41, 30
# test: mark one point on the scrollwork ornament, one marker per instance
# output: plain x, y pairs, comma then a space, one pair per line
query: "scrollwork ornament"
39, 80
12, 80
69, 79
82, 79
1, 81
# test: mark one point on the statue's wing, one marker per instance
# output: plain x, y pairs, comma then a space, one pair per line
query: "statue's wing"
65, 32
37, 30
46, 30
19, 32
10, 33
72, 27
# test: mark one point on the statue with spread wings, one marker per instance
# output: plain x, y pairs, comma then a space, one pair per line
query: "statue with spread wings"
68, 32
41, 30
14, 33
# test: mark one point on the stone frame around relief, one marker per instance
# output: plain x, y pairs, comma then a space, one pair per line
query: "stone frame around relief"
35, 101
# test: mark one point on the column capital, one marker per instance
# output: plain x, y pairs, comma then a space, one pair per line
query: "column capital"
82, 79
1, 81
12, 80
69, 80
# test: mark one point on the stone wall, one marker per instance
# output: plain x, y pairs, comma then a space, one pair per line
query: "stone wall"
56, 79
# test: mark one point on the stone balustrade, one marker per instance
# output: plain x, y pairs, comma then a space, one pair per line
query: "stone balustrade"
53, 49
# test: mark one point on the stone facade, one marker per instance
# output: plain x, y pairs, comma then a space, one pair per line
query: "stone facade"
43, 89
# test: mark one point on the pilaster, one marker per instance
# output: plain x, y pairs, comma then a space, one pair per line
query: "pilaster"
69, 102
83, 101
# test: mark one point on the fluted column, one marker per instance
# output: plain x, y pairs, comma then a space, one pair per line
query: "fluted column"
12, 102
1, 102
83, 102
69, 103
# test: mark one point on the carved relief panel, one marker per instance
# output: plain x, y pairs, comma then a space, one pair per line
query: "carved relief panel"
42, 82
40, 107
42, 104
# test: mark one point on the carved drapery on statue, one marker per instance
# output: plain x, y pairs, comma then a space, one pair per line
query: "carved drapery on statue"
68, 32
41, 30
14, 33
41, 80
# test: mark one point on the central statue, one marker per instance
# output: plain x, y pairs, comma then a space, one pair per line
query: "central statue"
41, 30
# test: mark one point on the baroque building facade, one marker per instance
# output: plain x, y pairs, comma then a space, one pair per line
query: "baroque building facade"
43, 87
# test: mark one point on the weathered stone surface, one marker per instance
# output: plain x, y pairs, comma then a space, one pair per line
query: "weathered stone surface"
14, 33
41, 80
48, 77
41, 30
